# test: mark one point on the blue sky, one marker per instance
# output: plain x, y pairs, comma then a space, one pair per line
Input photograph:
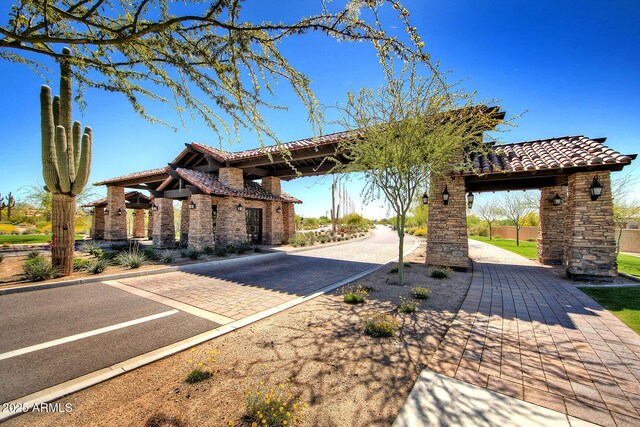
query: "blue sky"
571, 67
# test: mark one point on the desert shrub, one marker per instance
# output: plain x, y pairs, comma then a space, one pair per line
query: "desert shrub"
220, 251
420, 232
420, 293
163, 420
197, 375
92, 248
6, 229
30, 230
202, 366
119, 247
37, 269
45, 229
96, 266
354, 294
380, 325
480, 229
273, 406
33, 254
80, 264
440, 273
191, 253
243, 247
132, 259
208, 250
407, 306
167, 257
151, 254
108, 256
298, 239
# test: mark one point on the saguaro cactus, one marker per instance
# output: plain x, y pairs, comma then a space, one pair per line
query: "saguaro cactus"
66, 163
11, 203
3, 205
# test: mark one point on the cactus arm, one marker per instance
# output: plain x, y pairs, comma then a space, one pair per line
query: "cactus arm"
66, 99
84, 167
77, 140
63, 160
49, 157
56, 111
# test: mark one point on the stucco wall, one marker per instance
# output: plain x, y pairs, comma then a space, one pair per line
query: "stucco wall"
629, 240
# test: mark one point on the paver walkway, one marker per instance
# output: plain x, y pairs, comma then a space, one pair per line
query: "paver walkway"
239, 291
524, 332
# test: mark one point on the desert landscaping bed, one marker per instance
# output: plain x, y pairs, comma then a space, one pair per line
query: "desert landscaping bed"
317, 349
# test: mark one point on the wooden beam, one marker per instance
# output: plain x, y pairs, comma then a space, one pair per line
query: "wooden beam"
182, 193
137, 205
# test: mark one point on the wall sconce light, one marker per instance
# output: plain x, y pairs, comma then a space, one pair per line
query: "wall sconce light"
119, 211
133, 213
154, 207
425, 198
596, 188
192, 205
279, 209
470, 198
106, 211
239, 207
445, 195
557, 200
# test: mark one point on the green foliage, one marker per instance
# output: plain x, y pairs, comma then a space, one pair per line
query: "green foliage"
150, 253
407, 306
91, 247
209, 250
191, 253
440, 273
119, 246
624, 303
420, 293
354, 294
80, 264
243, 247
273, 406
37, 269
197, 375
380, 325
167, 257
97, 266
132, 258
33, 254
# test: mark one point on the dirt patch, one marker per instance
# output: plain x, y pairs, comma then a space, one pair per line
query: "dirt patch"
345, 377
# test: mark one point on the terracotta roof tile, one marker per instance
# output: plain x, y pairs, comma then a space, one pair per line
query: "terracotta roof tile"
209, 184
554, 153
142, 174
127, 196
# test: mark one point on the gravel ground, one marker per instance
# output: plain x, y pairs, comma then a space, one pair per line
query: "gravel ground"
345, 377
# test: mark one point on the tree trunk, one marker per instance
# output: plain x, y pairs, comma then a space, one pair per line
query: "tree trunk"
490, 234
517, 236
400, 228
618, 242
63, 229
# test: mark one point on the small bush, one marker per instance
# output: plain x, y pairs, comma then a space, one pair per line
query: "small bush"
119, 247
220, 251
420, 293
80, 264
202, 365
380, 325
354, 294
191, 253
273, 406
96, 266
163, 420
150, 253
407, 306
92, 248
420, 232
197, 375
37, 269
132, 259
243, 247
33, 254
298, 239
167, 257
108, 256
438, 273
6, 229
209, 250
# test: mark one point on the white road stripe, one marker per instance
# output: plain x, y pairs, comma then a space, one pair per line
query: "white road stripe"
76, 337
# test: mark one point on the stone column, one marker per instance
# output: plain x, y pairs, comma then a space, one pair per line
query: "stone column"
97, 224
231, 177
138, 224
447, 225
272, 184
200, 224
184, 223
552, 223
274, 232
150, 224
164, 230
231, 223
590, 246
288, 221
115, 226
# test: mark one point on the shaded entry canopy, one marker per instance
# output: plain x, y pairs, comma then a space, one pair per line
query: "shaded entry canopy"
132, 199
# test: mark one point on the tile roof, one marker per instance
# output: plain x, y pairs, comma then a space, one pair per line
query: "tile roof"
209, 184
142, 174
546, 154
128, 195
227, 156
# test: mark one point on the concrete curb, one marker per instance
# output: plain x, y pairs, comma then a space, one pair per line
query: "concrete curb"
93, 378
187, 268
314, 247
630, 277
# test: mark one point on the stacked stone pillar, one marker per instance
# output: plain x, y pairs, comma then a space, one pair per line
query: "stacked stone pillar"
164, 230
150, 225
184, 223
200, 224
447, 225
590, 247
97, 223
232, 222
288, 221
274, 232
552, 225
138, 224
115, 226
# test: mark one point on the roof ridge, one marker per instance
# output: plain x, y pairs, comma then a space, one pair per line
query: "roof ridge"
541, 140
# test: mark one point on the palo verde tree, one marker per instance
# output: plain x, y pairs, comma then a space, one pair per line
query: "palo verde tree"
405, 133
208, 57
66, 163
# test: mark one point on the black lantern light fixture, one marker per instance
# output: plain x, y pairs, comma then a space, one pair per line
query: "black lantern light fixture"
192, 205
119, 211
240, 207
154, 207
279, 209
445, 195
470, 198
596, 188
425, 198
106, 211
557, 200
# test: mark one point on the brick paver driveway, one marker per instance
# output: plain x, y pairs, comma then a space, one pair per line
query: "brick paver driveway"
239, 291
525, 332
